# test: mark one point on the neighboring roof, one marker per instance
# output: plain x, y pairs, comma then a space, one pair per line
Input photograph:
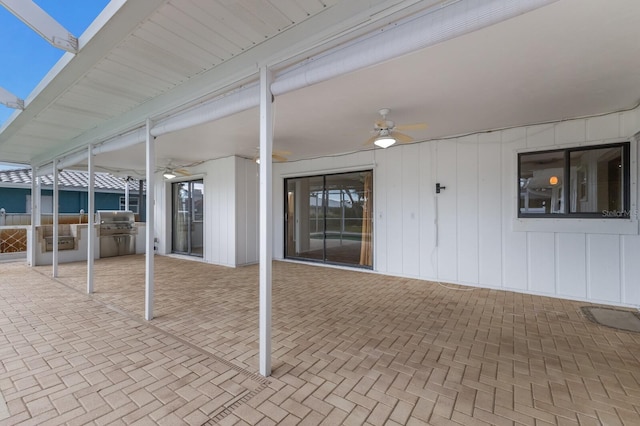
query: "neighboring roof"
68, 179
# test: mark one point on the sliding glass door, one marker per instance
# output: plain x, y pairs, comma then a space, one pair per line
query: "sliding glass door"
329, 218
187, 222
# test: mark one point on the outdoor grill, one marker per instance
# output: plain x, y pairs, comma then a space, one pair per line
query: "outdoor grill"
117, 233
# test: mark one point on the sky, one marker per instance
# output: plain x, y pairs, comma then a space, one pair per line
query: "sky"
25, 57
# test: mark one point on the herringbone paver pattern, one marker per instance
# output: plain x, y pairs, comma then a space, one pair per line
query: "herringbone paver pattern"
66, 359
349, 348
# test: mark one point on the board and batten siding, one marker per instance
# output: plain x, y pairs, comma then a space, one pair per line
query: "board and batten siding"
219, 211
470, 234
247, 211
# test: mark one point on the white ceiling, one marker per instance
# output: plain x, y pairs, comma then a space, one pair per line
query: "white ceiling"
565, 60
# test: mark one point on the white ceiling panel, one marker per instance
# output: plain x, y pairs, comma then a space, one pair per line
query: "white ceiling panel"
83, 121
103, 82
273, 18
511, 74
83, 101
291, 9
178, 45
48, 133
158, 57
116, 79
148, 66
84, 118
246, 11
557, 62
178, 40
233, 28
311, 7
23, 150
196, 32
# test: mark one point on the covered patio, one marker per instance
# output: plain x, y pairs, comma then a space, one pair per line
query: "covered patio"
349, 347
510, 204
203, 89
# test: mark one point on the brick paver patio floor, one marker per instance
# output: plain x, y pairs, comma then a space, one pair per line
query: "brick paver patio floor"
349, 347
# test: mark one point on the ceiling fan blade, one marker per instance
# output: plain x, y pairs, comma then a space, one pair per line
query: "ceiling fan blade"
279, 157
371, 139
415, 126
381, 124
182, 172
401, 137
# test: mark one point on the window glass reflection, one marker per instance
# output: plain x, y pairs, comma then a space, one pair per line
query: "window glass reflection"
541, 183
596, 180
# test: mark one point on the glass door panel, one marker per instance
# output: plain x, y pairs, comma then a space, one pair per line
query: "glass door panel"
187, 217
180, 234
328, 218
305, 218
345, 205
197, 218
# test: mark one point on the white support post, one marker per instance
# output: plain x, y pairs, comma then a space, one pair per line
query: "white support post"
91, 229
266, 231
126, 193
35, 205
56, 196
38, 200
42, 23
149, 261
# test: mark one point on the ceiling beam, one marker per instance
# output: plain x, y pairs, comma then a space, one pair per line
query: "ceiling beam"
10, 100
42, 23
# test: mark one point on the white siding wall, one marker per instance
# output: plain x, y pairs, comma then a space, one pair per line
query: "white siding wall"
514, 248
469, 233
219, 211
489, 201
247, 211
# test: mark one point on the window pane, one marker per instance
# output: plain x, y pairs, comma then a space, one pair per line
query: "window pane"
197, 196
597, 183
305, 218
180, 224
541, 183
346, 228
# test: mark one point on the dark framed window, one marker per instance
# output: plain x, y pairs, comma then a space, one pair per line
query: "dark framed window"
583, 182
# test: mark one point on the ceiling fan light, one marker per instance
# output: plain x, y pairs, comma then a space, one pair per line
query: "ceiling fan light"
258, 160
384, 141
169, 175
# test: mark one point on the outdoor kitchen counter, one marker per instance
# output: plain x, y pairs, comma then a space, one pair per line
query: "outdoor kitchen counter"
78, 252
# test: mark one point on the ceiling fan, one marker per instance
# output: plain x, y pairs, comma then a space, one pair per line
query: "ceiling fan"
385, 132
279, 156
171, 171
